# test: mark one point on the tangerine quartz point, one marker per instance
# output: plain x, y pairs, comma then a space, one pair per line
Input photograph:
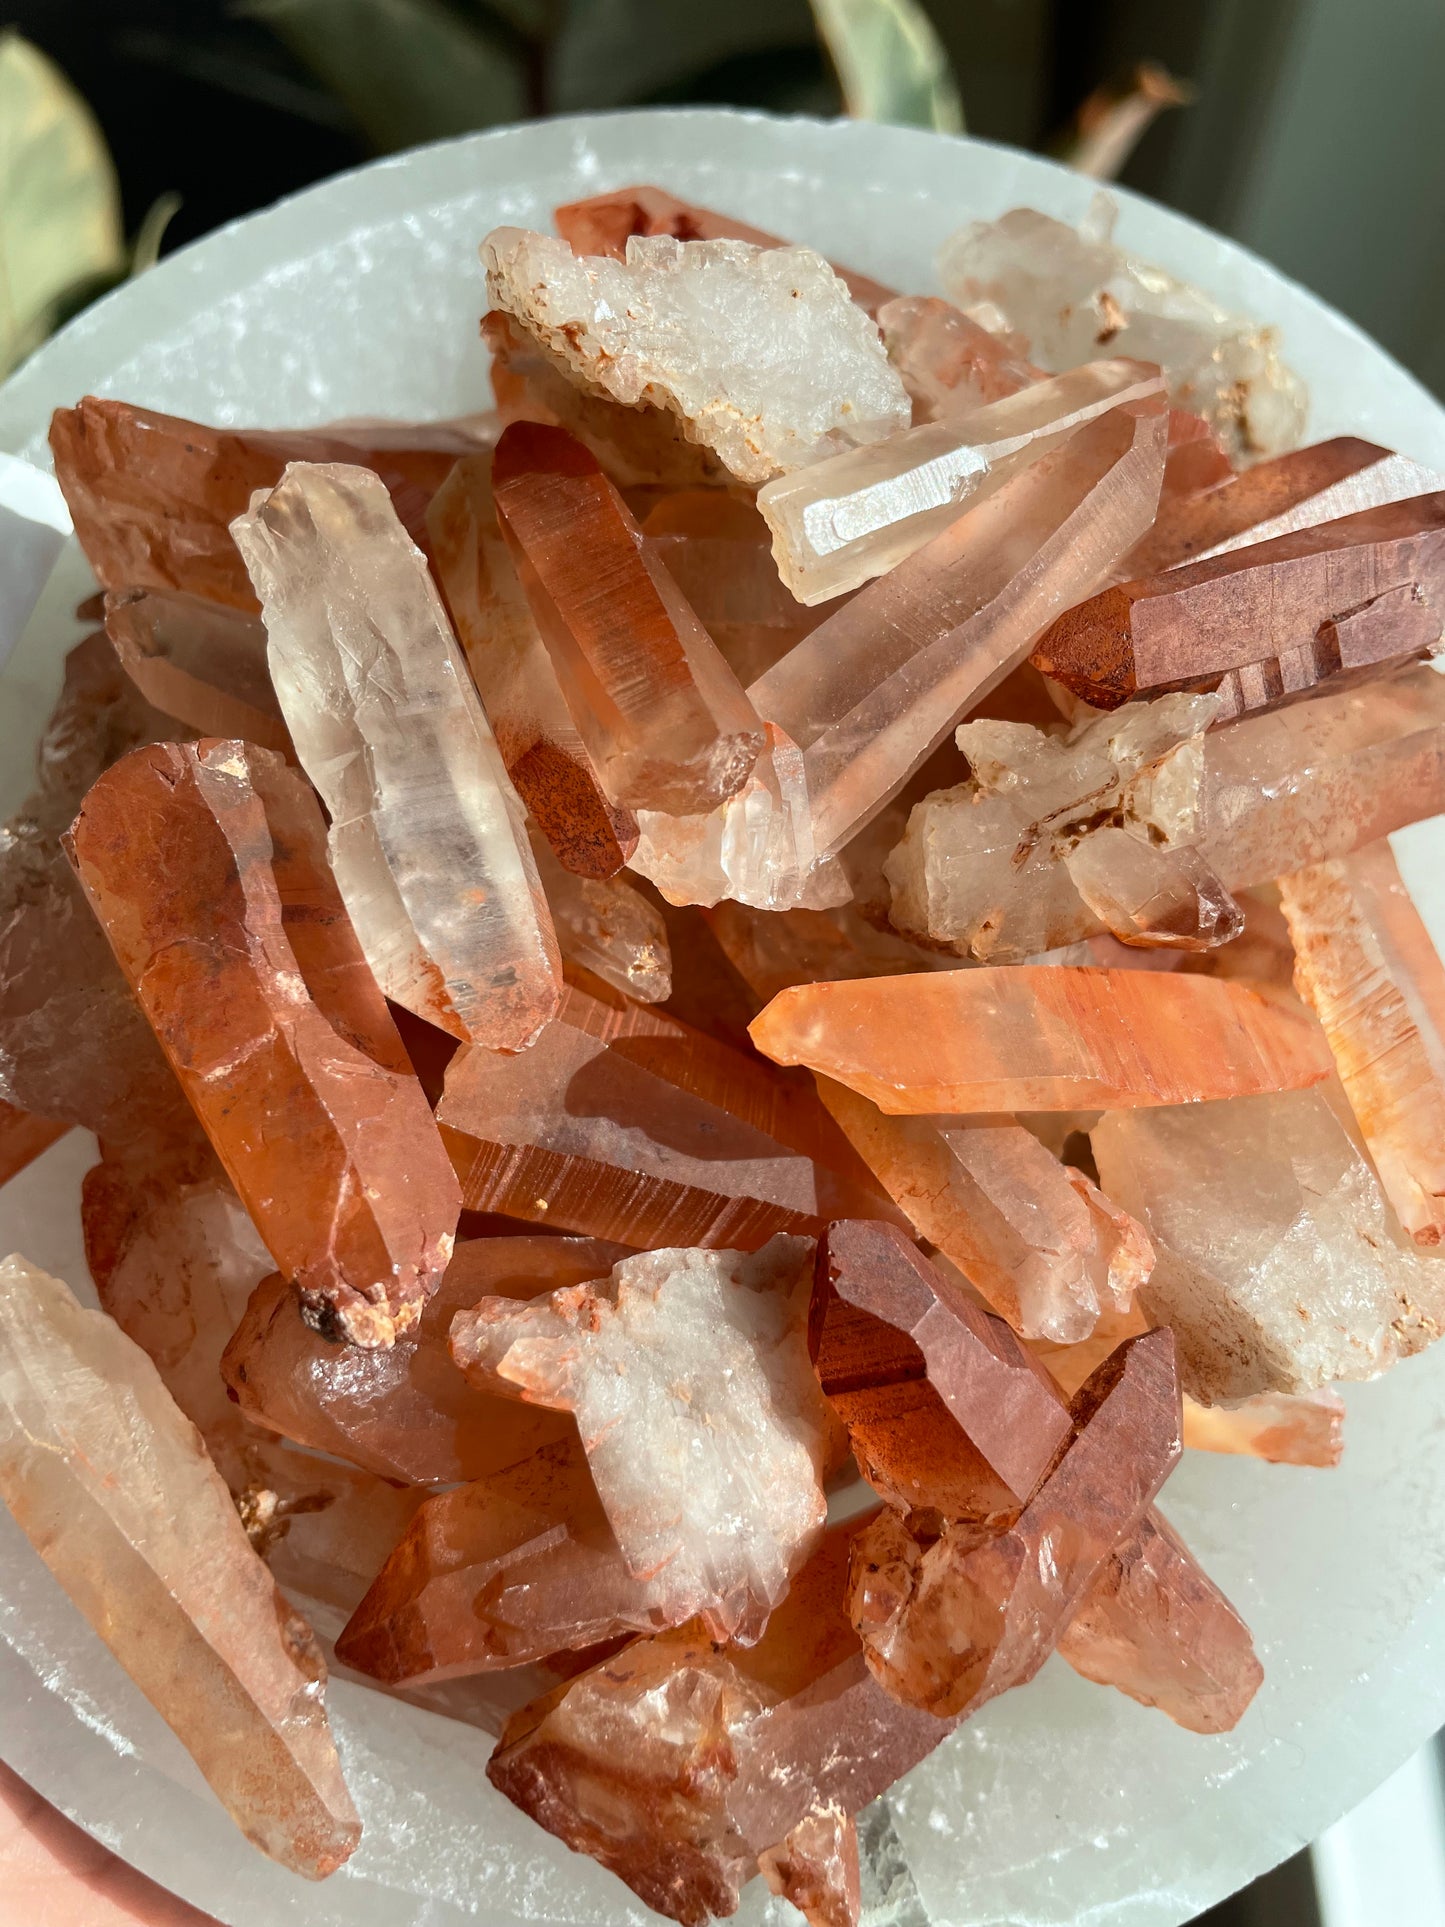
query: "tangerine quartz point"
664, 719
198, 661
206, 866
949, 364
1042, 1038
1283, 1428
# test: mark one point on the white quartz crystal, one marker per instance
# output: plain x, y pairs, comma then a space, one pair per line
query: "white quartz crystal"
760, 351
428, 838
608, 927
699, 1412
1279, 1264
1071, 294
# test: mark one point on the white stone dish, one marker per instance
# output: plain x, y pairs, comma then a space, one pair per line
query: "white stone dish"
1062, 1804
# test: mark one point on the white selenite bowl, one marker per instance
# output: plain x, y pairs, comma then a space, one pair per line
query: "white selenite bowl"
1062, 1803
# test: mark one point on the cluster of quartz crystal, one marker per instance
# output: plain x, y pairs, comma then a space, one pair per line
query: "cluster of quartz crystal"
805, 913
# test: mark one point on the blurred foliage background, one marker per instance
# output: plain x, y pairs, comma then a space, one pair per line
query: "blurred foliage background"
1306, 128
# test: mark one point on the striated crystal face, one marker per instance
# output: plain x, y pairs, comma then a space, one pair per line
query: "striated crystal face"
622, 1122
1365, 962
1254, 1207
110, 1482
1301, 1428
663, 717
1265, 620
873, 691
552, 772
949, 364
198, 661
1042, 1038
840, 522
206, 867
1067, 292
689, 1377
387, 724
760, 352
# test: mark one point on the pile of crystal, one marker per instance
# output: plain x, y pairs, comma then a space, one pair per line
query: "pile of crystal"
801, 921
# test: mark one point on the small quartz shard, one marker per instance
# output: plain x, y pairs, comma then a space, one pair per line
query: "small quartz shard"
1069, 293
621, 1122
1153, 1624
871, 693
760, 352
1042, 1038
816, 1867
605, 925
1266, 620
1256, 1207
387, 723
664, 719
111, 1484
838, 523
198, 661
950, 364
689, 1377
950, 1621
207, 869
1042, 1244
1365, 963
405, 1413
1303, 1428
552, 772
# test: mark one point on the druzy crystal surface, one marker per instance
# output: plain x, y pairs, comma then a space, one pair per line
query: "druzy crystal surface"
207, 869
198, 661
1042, 1038
760, 352
112, 1485
388, 725
688, 1374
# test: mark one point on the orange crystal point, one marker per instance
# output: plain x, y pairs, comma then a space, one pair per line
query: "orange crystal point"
1153, 1624
816, 1867
406, 1413
622, 1122
664, 718
1303, 1428
1042, 1038
206, 866
1366, 963
945, 1409
22, 1138
604, 223
1266, 620
949, 364
948, 1624
200, 662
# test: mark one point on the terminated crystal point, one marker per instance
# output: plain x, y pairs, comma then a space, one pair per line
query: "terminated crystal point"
1365, 962
840, 522
1040, 1038
760, 352
1304, 1428
111, 1484
948, 1624
1039, 1241
1256, 1207
622, 1122
1069, 293
949, 364
553, 773
994, 867
198, 661
387, 724
405, 1413
607, 926
1153, 1624
816, 1867
22, 1139
689, 1377
663, 717
874, 690
207, 869
1263, 621
153, 497
605, 223
946, 1411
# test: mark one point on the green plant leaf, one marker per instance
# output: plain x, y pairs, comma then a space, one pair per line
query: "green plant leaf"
890, 63
60, 222
408, 70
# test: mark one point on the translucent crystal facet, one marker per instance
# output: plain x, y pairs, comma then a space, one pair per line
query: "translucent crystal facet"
949, 364
387, 723
207, 869
761, 352
1284, 1428
606, 925
112, 1485
198, 661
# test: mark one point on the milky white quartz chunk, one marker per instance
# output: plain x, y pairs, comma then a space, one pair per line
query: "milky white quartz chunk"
699, 1412
760, 351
